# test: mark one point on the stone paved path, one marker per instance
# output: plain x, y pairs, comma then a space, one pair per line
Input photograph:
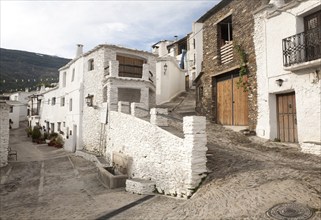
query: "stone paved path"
246, 178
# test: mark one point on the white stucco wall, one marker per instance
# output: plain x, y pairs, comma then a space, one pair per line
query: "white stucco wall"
269, 32
176, 165
170, 83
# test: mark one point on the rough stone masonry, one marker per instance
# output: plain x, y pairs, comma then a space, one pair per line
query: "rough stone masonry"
4, 131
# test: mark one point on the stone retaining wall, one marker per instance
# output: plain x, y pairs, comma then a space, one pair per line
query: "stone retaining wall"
4, 131
176, 165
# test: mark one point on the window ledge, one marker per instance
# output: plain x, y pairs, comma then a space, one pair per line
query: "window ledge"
305, 65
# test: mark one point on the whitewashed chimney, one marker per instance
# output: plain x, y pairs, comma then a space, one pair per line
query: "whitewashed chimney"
277, 3
79, 50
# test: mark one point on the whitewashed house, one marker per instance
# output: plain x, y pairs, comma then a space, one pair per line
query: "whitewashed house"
14, 113
288, 54
170, 69
22, 97
113, 74
89, 86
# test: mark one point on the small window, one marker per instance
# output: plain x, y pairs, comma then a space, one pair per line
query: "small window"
90, 64
59, 126
64, 124
62, 101
53, 101
11, 109
70, 105
64, 76
73, 75
105, 94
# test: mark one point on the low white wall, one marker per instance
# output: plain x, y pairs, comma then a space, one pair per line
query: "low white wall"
176, 165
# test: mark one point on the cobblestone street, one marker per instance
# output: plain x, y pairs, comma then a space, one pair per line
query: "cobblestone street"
247, 177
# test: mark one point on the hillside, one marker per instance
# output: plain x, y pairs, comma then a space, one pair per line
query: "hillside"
22, 69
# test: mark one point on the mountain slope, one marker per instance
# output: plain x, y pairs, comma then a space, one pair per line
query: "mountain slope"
22, 69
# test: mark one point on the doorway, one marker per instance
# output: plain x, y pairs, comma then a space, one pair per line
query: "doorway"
232, 101
286, 117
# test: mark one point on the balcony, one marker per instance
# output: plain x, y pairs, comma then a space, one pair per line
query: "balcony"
226, 52
302, 47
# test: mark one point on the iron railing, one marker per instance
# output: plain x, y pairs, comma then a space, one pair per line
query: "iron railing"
302, 47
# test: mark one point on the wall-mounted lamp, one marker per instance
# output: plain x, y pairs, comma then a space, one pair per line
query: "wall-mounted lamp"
165, 68
89, 100
279, 82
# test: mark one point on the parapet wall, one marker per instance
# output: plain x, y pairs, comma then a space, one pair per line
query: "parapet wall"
176, 165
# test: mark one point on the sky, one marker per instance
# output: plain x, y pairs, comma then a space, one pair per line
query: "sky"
56, 27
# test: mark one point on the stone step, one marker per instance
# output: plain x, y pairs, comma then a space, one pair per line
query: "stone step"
140, 186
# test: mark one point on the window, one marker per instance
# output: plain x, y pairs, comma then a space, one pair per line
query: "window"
52, 127
225, 31
62, 101
64, 124
73, 75
53, 101
130, 66
105, 94
59, 126
90, 64
11, 109
64, 76
70, 105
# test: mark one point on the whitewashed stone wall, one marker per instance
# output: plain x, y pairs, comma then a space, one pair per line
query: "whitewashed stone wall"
4, 131
176, 165
305, 81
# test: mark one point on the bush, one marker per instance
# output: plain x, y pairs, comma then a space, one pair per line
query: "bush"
56, 141
45, 136
28, 131
36, 134
53, 135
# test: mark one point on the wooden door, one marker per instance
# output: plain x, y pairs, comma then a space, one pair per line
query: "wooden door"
224, 102
240, 103
286, 112
232, 101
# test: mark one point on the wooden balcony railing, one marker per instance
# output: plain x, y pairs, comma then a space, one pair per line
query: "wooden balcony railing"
302, 47
226, 53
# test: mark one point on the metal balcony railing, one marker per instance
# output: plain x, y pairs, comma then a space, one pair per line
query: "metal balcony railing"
302, 47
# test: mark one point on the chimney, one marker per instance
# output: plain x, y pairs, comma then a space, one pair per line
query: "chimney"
277, 3
79, 50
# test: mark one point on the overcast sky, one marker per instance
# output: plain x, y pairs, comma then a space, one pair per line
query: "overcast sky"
55, 27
